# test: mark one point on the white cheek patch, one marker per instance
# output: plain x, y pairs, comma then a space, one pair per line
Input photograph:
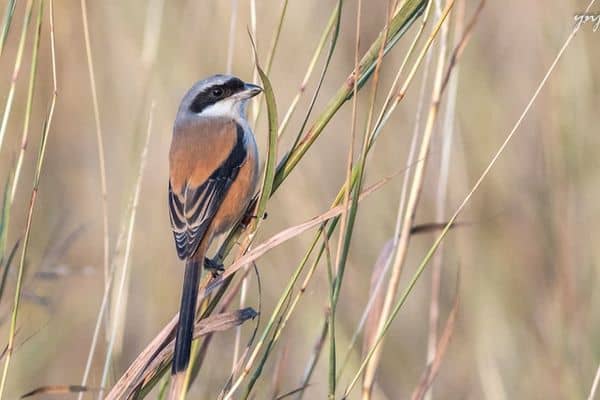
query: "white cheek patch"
228, 108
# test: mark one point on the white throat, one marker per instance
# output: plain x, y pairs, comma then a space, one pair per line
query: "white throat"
229, 108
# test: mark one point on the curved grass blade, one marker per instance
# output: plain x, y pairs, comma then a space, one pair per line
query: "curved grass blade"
269, 174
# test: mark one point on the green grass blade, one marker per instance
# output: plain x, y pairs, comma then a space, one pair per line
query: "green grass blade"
8, 14
28, 108
269, 174
309, 70
334, 38
4, 216
16, 69
7, 265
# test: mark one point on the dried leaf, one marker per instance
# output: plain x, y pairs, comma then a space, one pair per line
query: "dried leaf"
57, 389
159, 353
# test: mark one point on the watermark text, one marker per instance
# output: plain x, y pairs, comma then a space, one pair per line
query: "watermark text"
587, 18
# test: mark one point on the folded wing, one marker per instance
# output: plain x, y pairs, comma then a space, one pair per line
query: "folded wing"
193, 209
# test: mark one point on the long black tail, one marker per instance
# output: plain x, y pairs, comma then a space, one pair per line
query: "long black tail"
187, 313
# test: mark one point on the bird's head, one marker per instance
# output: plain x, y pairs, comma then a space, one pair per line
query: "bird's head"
218, 96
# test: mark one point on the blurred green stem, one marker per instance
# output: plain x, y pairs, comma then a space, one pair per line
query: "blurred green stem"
8, 14
36, 182
16, 71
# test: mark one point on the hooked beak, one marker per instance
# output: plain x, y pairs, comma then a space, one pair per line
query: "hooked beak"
250, 90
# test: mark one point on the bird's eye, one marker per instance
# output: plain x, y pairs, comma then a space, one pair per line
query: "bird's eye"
217, 92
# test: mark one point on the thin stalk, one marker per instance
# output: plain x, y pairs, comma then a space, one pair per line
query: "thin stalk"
16, 70
309, 70
255, 103
350, 156
393, 88
271, 55
595, 384
238, 330
344, 216
28, 108
442, 194
4, 216
231, 40
36, 182
99, 140
8, 15
313, 100
330, 322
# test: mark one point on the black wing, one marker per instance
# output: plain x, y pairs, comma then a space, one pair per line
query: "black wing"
193, 209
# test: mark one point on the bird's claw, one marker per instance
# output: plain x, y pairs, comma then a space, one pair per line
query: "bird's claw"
215, 266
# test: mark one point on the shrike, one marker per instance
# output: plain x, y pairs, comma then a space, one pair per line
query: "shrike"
213, 176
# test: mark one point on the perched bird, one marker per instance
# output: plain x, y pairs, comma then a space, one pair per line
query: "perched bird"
213, 164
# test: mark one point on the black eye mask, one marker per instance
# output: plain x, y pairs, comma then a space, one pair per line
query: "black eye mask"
207, 97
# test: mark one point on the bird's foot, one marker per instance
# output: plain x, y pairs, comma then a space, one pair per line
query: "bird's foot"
251, 213
214, 265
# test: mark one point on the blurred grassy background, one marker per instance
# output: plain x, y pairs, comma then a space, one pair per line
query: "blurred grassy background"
528, 325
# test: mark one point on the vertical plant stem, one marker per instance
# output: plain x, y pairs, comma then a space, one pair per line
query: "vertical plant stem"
309, 70
442, 194
16, 70
344, 216
28, 108
255, 103
238, 330
99, 139
595, 384
271, 55
8, 14
231, 40
34, 192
